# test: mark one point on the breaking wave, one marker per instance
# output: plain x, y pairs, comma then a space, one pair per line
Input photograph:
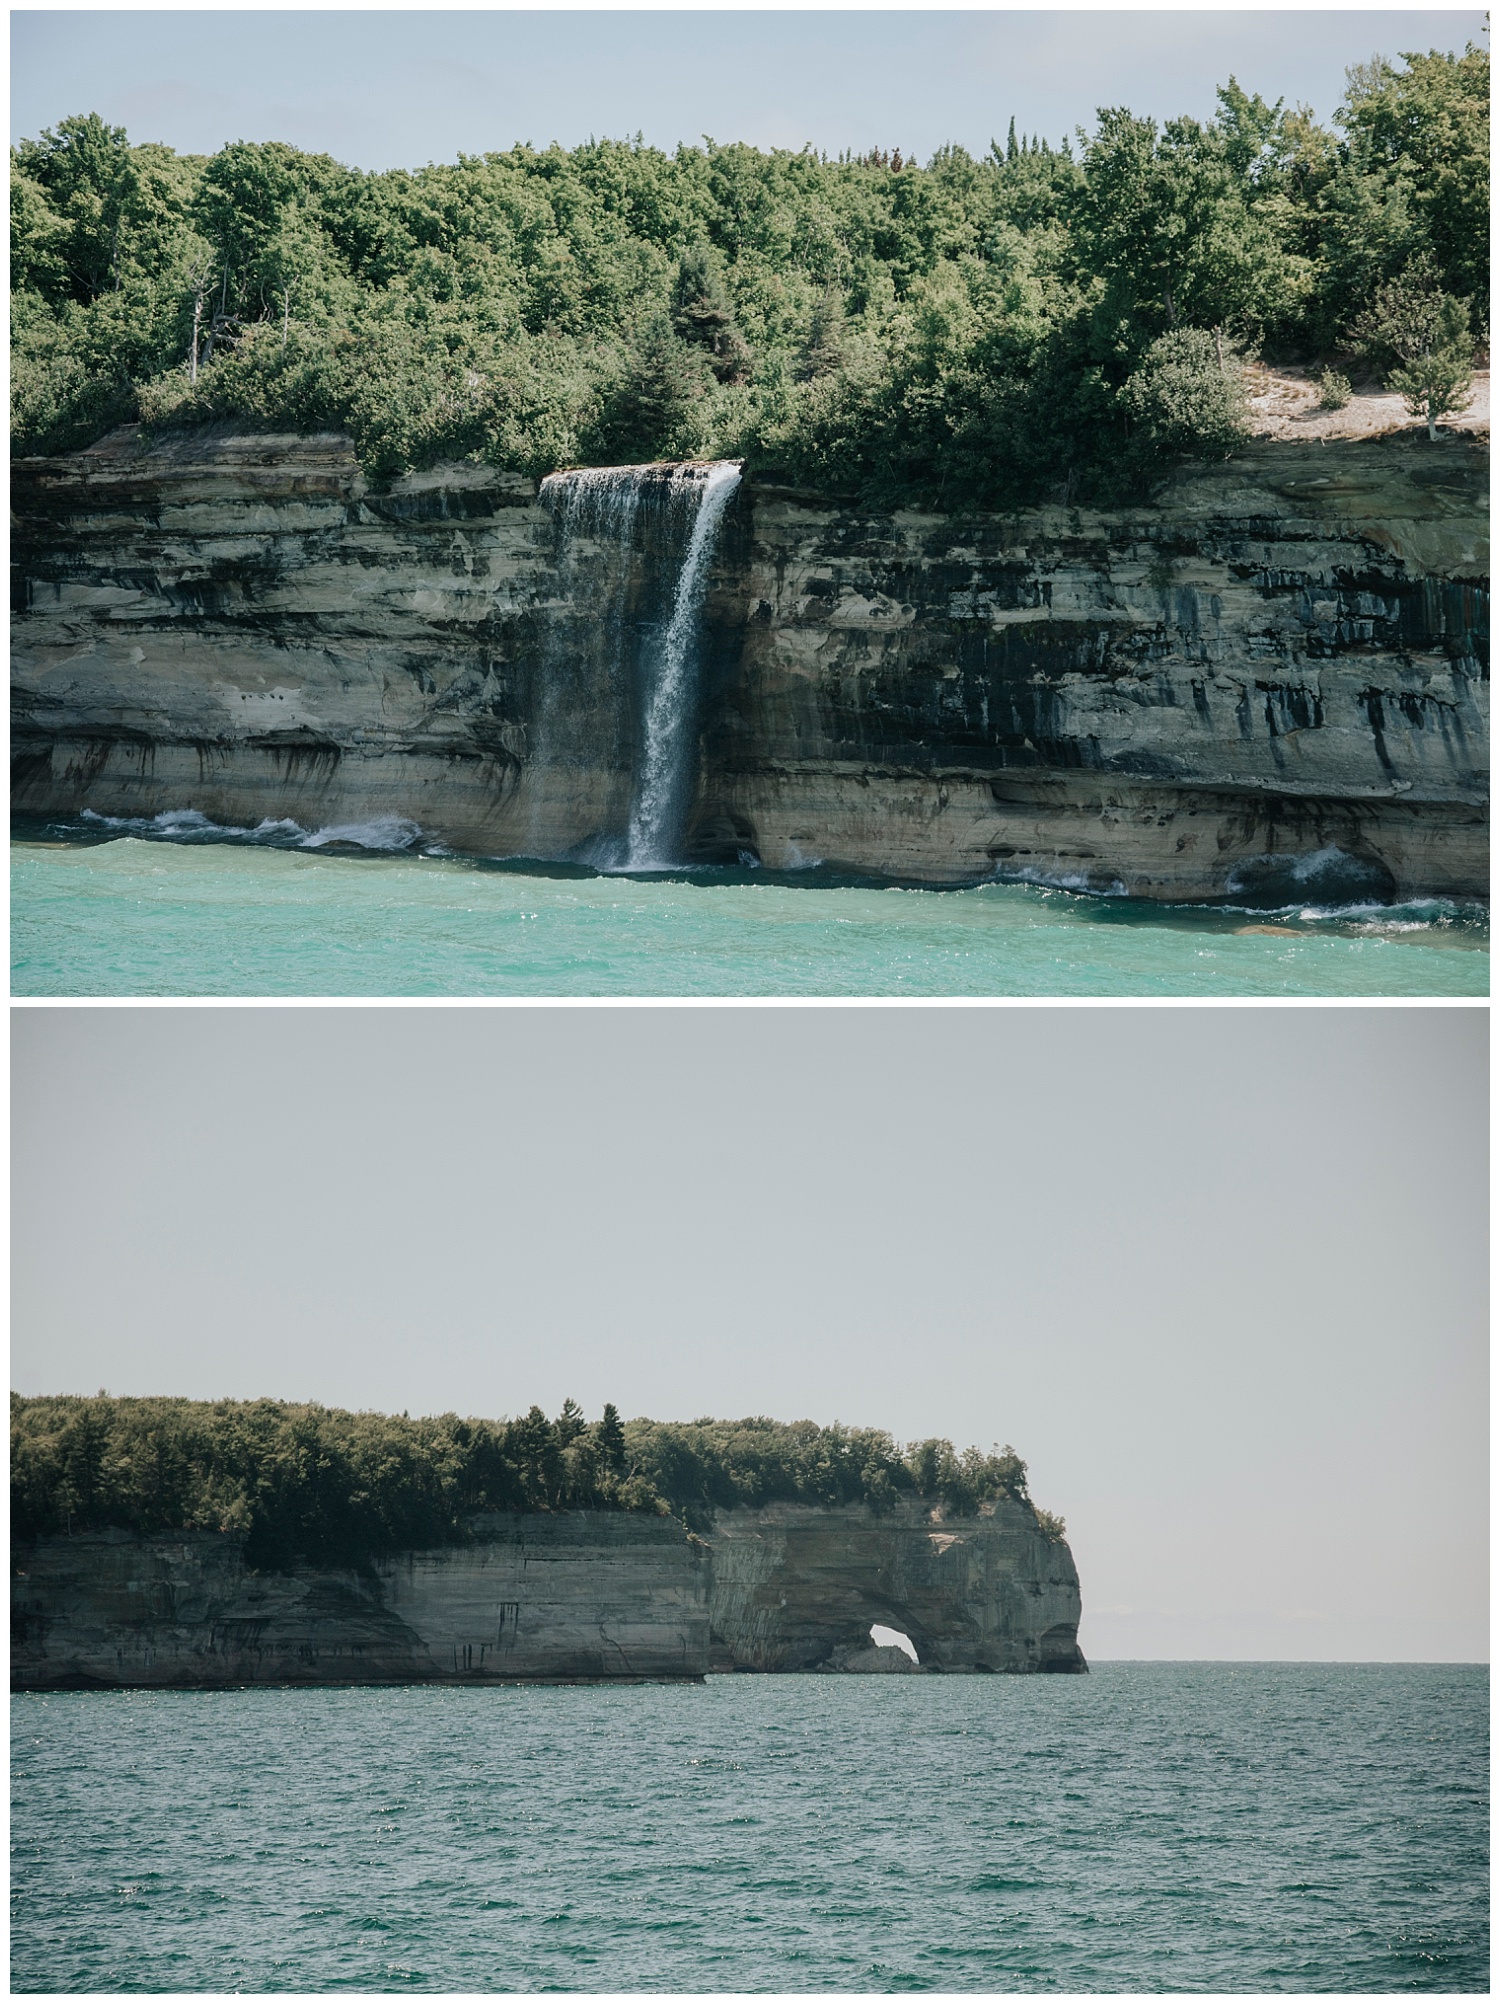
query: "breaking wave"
1415, 915
386, 834
1062, 880
1365, 913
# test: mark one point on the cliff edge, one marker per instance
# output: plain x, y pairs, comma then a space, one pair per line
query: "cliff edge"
575, 1596
1269, 680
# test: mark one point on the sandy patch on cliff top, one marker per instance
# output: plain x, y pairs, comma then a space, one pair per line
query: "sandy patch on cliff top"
1284, 404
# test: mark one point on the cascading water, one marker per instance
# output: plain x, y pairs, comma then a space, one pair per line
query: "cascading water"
595, 510
664, 775
658, 525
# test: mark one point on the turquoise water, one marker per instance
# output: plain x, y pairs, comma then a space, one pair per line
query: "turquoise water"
1150, 1827
143, 915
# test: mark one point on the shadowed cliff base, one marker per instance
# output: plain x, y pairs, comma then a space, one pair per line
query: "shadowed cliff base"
1272, 671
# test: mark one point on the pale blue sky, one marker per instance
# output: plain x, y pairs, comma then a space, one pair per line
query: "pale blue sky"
1219, 1274
397, 89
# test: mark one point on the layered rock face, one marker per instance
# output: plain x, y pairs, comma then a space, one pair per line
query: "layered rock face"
800, 1589
1272, 682
1269, 681
583, 1596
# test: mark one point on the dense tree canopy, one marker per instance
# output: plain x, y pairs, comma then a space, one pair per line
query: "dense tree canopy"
313, 1482
973, 330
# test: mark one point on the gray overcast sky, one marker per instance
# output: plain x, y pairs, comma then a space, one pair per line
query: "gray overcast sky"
1217, 1274
398, 89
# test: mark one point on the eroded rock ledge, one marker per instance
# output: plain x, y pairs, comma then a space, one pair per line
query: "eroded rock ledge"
576, 1596
1276, 659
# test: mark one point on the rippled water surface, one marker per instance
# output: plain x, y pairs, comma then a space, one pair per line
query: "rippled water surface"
1148, 1827
178, 910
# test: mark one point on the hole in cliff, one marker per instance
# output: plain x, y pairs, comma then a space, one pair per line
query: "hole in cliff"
1327, 876
892, 1638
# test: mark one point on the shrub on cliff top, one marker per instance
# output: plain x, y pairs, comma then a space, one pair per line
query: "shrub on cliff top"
1187, 397
317, 1483
1422, 335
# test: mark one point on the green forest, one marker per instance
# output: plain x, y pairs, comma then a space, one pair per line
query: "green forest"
1041, 322
315, 1483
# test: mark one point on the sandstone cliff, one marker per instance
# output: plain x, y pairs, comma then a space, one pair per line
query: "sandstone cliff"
796, 1588
571, 1596
585, 1595
1269, 681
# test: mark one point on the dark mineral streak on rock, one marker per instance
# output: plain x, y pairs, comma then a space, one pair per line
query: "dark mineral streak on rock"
575, 1596
1273, 659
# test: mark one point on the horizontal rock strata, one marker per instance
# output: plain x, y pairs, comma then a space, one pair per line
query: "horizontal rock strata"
1268, 681
796, 1588
588, 1595
581, 1596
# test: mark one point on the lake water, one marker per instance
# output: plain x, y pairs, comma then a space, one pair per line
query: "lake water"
1150, 1827
174, 908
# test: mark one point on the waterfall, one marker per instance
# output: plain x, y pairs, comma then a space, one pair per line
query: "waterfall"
665, 582
595, 510
664, 775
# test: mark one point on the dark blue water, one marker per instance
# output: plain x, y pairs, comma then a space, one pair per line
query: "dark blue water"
1149, 1827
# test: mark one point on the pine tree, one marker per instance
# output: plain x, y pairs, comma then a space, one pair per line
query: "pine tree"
1423, 335
1435, 385
653, 404
703, 315
823, 351
611, 1438
534, 1445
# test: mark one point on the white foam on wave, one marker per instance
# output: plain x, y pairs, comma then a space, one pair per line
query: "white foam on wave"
795, 859
1304, 869
185, 821
384, 834
1061, 880
1412, 915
